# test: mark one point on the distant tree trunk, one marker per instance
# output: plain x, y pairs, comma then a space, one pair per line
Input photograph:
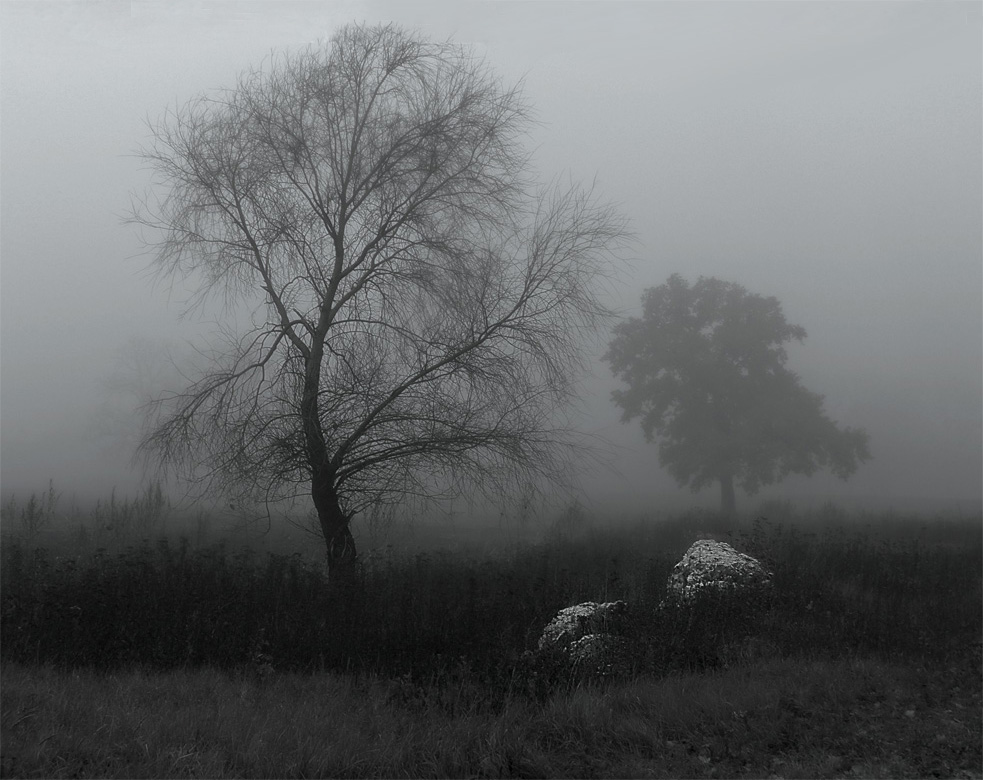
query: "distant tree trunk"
728, 503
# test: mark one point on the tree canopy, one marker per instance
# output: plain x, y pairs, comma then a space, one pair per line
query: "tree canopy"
705, 373
418, 302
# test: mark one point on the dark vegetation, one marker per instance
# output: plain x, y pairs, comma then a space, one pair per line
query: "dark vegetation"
444, 635
903, 588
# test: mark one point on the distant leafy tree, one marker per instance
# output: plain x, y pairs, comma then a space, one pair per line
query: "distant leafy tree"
705, 373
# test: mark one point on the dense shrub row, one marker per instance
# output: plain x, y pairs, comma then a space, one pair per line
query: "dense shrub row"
166, 605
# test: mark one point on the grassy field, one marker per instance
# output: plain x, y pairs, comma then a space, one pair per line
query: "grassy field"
157, 657
785, 718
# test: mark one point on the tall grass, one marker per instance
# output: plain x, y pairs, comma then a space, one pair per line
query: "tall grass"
821, 718
891, 586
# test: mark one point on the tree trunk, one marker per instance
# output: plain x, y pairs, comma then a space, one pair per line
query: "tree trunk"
334, 526
728, 502
334, 522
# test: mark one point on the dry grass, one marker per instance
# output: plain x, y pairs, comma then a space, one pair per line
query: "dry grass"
821, 718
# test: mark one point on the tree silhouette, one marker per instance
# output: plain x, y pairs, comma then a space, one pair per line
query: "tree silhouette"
705, 373
417, 303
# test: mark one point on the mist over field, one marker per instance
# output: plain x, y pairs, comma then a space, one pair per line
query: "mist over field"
827, 154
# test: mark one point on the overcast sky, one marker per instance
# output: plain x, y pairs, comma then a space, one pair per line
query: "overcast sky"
828, 154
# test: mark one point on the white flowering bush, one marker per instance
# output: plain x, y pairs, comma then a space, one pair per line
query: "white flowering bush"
600, 655
714, 568
576, 622
585, 639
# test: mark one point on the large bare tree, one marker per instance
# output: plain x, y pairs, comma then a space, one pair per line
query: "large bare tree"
418, 304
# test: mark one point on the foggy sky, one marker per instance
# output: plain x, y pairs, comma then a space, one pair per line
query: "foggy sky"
826, 154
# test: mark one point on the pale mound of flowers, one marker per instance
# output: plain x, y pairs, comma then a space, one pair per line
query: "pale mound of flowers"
581, 620
712, 567
600, 655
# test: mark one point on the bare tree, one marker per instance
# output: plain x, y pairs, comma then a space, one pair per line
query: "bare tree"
418, 304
